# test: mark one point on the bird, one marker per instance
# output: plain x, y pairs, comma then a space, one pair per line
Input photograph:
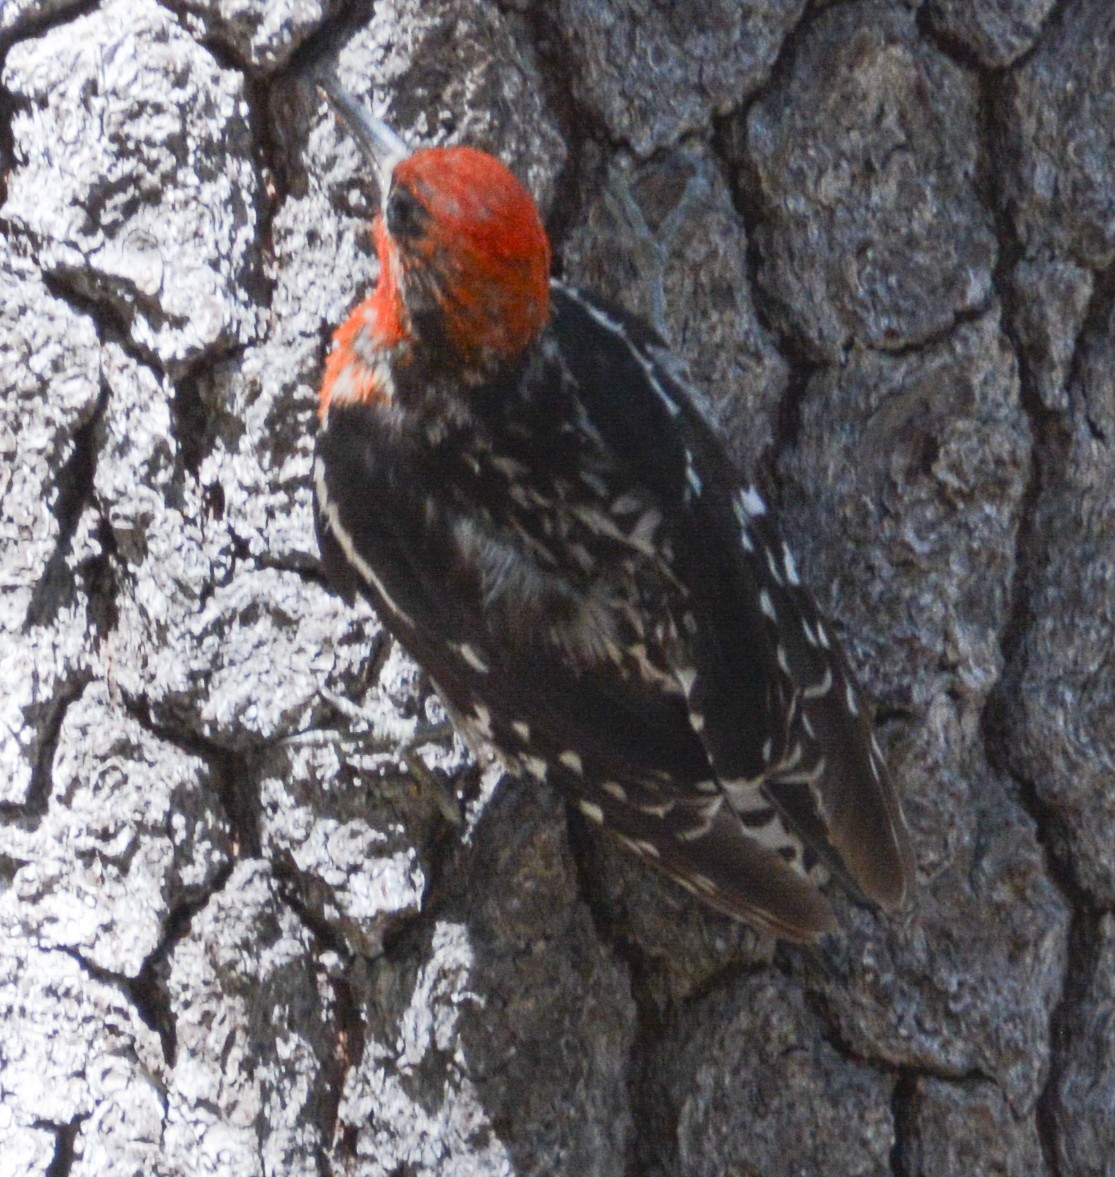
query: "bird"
518, 478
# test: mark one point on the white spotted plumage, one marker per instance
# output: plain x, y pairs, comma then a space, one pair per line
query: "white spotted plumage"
556, 532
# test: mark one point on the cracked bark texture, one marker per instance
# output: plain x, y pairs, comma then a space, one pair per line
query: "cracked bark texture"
239, 933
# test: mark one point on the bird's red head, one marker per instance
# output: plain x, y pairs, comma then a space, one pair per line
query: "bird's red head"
464, 275
473, 255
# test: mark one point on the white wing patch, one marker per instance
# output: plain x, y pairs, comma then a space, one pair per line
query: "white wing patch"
339, 532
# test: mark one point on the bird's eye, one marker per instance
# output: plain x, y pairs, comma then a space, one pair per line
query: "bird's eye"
404, 213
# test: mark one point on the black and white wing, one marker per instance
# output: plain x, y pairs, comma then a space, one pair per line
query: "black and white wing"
595, 595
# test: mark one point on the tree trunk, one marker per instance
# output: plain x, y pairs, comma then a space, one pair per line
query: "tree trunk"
244, 930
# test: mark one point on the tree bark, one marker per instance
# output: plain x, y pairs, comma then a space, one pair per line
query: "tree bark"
243, 931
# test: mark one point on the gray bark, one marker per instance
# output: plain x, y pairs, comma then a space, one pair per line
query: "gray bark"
240, 932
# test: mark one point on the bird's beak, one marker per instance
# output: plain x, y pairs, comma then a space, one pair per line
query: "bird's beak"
373, 136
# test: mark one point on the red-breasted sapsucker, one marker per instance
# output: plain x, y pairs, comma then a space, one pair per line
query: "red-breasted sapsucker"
531, 501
